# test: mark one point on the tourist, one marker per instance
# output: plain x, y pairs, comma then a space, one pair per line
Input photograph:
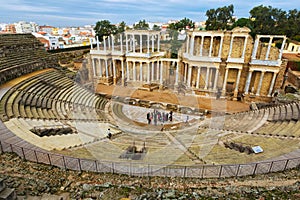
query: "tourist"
109, 133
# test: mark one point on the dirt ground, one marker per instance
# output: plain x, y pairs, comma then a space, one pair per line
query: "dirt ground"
168, 96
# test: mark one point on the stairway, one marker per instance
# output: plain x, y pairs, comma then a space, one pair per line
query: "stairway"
6, 193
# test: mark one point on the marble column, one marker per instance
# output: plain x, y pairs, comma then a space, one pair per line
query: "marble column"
134, 71
106, 68
158, 42
122, 68
216, 79
148, 44
127, 71
157, 70
198, 77
190, 76
148, 72
201, 46
269, 48
133, 43
141, 43
248, 82
207, 78
100, 68
272, 84
187, 44
254, 51
93, 66
108, 41
220, 49
282, 47
161, 72
121, 42
152, 43
230, 47
225, 82
185, 72
114, 72
104, 43
237, 81
211, 45
152, 71
141, 71
98, 47
192, 45
126, 42
260, 83
245, 46
113, 42
176, 75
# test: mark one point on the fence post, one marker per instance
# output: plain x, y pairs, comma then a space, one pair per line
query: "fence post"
184, 172
220, 173
23, 153
36, 158
238, 171
285, 166
271, 167
254, 169
96, 165
63, 157
49, 158
79, 164
1, 148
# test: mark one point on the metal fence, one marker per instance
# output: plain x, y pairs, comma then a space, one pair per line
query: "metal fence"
142, 169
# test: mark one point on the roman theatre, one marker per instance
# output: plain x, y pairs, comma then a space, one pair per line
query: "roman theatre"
138, 107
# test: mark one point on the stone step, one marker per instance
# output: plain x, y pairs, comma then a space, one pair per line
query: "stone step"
8, 194
2, 185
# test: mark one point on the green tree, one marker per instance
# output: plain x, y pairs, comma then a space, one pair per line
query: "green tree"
293, 18
243, 22
122, 27
141, 25
104, 28
220, 18
156, 28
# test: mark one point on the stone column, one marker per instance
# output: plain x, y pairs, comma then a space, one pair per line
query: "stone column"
237, 83
248, 82
148, 43
152, 72
260, 83
206, 78
134, 71
93, 66
269, 48
108, 41
282, 47
187, 43
133, 43
220, 49
230, 47
201, 46
127, 71
152, 43
245, 46
122, 68
185, 72
177, 73
189, 76
157, 70
113, 42
211, 45
161, 72
141, 71
158, 42
106, 68
225, 82
100, 65
272, 84
114, 72
141, 43
216, 79
198, 77
126, 42
254, 51
98, 47
91, 43
104, 43
192, 45
121, 42
148, 72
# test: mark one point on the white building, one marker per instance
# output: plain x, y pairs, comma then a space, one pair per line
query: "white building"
50, 42
26, 27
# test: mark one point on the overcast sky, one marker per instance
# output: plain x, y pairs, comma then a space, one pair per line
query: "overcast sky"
81, 12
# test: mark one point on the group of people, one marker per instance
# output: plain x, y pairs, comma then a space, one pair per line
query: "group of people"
158, 116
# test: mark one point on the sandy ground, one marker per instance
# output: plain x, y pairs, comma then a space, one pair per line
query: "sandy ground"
167, 96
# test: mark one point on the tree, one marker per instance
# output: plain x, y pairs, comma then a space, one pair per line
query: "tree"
243, 22
155, 28
220, 19
141, 25
104, 28
121, 27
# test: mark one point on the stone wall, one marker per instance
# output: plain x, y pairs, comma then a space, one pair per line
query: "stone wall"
21, 54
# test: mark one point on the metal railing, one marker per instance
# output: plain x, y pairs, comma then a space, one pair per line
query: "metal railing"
143, 169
